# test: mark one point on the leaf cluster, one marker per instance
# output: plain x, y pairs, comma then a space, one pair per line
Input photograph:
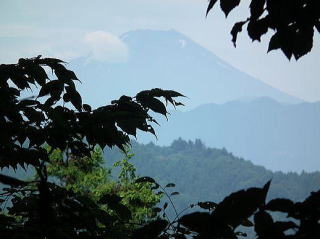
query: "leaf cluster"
237, 209
293, 22
40, 208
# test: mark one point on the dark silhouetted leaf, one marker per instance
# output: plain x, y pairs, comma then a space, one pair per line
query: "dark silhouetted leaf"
151, 230
210, 6
169, 185
174, 193
207, 205
274, 42
257, 8
52, 87
235, 30
145, 180
197, 221
280, 204
228, 5
256, 28
11, 181
246, 223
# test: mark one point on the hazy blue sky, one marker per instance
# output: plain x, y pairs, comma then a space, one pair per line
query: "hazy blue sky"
70, 29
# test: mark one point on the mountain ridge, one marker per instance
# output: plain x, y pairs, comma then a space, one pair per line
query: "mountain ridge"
170, 60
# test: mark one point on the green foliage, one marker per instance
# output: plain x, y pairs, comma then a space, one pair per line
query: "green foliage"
84, 175
88, 176
293, 23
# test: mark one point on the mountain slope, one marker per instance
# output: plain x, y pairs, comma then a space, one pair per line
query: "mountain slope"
277, 136
202, 173
168, 59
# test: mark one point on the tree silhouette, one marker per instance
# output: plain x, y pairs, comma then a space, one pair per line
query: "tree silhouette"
293, 23
40, 208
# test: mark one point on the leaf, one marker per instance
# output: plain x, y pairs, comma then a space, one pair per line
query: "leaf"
123, 211
174, 193
110, 199
38, 73
11, 181
280, 204
145, 180
165, 205
173, 93
27, 102
240, 205
246, 223
34, 115
87, 107
52, 87
156, 105
303, 42
170, 185
75, 98
235, 30
228, 5
256, 28
210, 6
197, 221
156, 209
257, 8
207, 205
274, 42
151, 230
284, 226
263, 225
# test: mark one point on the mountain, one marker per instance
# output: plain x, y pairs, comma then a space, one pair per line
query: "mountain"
202, 173
266, 132
169, 60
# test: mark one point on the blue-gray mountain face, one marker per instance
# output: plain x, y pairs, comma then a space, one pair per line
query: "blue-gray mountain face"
277, 136
169, 60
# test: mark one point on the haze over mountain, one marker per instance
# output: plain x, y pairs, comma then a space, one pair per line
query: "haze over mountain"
277, 136
254, 125
169, 60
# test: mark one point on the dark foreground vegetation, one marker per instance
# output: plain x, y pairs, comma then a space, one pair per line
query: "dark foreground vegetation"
34, 127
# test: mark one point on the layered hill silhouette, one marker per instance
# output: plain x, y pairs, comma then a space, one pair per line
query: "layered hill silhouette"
201, 173
170, 60
266, 132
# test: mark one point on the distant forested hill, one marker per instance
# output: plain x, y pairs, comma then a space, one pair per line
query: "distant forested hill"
264, 131
201, 173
